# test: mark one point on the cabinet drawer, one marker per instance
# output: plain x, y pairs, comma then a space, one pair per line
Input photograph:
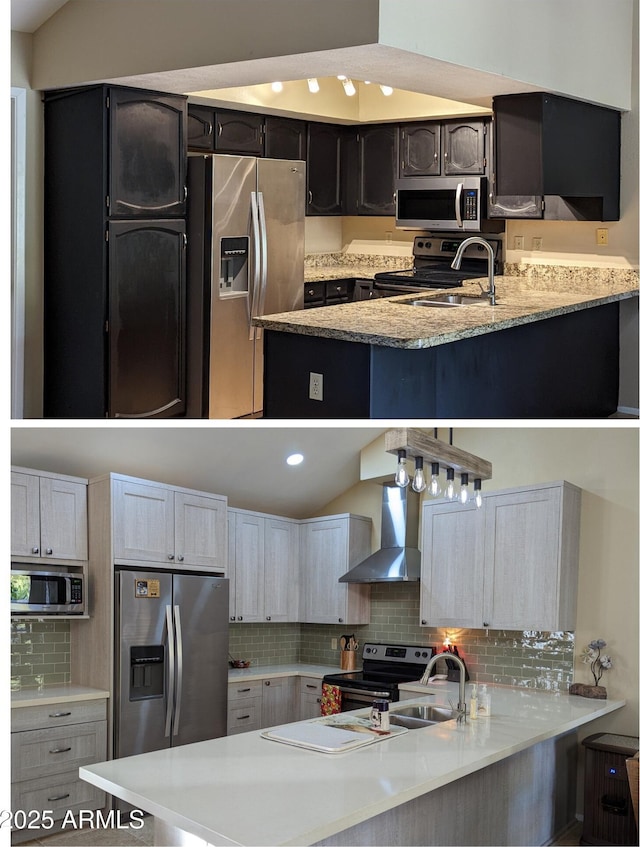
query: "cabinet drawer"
244, 715
310, 685
57, 794
242, 691
59, 714
42, 752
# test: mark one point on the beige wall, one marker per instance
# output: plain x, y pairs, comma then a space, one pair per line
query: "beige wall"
603, 462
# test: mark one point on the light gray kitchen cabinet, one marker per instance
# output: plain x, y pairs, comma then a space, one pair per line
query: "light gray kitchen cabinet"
48, 516
330, 546
244, 706
513, 564
263, 567
167, 525
48, 745
309, 697
279, 702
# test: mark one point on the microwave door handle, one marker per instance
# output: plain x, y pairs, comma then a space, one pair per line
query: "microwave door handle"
459, 204
67, 592
179, 664
254, 285
171, 675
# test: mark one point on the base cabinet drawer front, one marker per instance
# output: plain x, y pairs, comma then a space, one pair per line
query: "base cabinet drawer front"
309, 698
245, 690
40, 752
244, 715
57, 795
60, 714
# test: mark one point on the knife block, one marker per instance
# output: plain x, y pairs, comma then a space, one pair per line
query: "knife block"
347, 660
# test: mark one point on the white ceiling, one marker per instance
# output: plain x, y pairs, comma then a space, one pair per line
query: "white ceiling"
28, 15
247, 463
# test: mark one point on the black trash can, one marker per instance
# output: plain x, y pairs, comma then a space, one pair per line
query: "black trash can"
608, 810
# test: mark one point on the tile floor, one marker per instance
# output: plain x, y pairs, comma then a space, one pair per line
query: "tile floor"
144, 837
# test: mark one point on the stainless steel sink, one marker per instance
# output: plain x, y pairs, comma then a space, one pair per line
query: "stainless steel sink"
415, 717
447, 300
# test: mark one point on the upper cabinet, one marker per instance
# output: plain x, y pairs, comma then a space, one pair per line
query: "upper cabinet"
370, 170
564, 150
285, 138
329, 547
513, 564
238, 132
168, 526
324, 169
48, 516
447, 148
263, 567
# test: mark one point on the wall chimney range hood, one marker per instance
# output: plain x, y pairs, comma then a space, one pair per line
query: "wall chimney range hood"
398, 559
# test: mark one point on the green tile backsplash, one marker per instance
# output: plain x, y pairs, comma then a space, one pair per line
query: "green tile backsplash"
40, 653
40, 649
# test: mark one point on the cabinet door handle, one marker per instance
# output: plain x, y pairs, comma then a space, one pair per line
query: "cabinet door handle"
233, 617
171, 557
49, 551
268, 617
60, 715
267, 682
59, 797
423, 622
340, 620
239, 617
486, 623
181, 558
60, 750
35, 549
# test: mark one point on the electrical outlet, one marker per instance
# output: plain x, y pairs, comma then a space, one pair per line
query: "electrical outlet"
602, 237
536, 242
315, 386
518, 242
334, 643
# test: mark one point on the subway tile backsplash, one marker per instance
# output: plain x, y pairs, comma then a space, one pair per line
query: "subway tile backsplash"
40, 649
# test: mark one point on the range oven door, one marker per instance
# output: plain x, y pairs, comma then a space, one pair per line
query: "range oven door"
357, 698
441, 203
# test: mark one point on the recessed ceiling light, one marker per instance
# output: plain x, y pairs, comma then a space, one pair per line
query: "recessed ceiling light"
295, 459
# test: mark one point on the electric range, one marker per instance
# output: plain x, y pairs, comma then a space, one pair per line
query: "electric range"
384, 667
432, 257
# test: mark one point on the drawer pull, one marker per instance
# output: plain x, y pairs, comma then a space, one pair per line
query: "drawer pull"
311, 686
60, 715
243, 690
61, 750
243, 717
59, 797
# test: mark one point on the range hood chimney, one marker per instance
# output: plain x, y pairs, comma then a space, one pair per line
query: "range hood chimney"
398, 559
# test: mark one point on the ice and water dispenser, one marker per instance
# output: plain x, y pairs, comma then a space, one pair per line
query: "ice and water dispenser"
147, 672
234, 266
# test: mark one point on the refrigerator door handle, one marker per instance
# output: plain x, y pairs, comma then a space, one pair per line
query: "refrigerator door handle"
171, 680
263, 249
179, 667
257, 264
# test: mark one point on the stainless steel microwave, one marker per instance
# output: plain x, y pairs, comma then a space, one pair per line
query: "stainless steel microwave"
434, 203
40, 592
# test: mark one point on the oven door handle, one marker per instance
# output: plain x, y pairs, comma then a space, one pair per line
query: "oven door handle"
459, 204
362, 692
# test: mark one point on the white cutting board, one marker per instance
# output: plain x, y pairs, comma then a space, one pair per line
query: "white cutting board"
327, 736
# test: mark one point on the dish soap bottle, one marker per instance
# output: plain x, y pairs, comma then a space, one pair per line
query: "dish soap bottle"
473, 702
484, 702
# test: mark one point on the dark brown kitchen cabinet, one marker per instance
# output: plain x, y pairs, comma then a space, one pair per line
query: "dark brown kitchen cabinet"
325, 143
371, 172
147, 166
285, 138
506, 206
200, 126
420, 149
464, 147
564, 150
238, 132
114, 252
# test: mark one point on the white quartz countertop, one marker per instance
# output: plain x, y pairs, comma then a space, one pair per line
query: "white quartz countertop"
273, 671
244, 789
54, 694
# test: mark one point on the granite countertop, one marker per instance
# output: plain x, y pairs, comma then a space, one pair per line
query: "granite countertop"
52, 694
329, 266
244, 789
389, 322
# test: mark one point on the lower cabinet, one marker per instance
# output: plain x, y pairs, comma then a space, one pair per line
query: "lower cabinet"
261, 703
48, 745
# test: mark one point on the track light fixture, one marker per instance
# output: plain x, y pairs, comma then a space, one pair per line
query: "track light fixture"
418, 445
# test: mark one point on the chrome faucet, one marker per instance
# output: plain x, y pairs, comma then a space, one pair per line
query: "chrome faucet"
475, 239
461, 708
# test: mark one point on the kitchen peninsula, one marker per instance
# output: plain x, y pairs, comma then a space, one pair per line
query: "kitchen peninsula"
547, 349
246, 790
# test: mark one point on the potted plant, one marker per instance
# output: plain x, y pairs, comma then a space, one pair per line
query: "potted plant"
598, 663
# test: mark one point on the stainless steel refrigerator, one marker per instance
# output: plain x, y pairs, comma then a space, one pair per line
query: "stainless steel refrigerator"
245, 225
171, 654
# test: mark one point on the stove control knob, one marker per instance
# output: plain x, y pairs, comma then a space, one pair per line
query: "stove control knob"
425, 654
420, 244
374, 649
428, 245
418, 654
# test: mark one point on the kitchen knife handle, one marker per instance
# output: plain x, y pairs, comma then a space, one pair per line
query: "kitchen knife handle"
179, 664
171, 680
